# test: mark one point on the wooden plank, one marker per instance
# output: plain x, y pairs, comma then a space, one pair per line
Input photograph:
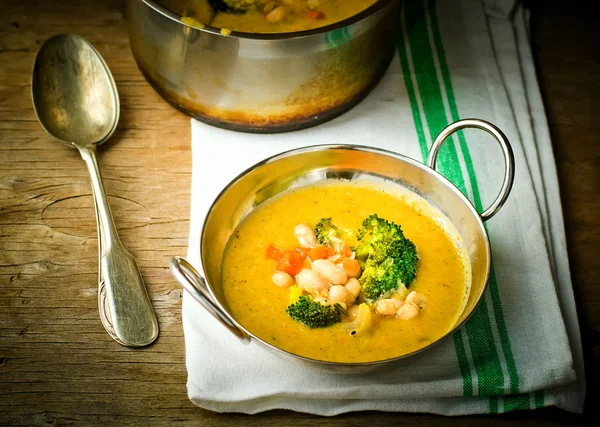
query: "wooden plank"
57, 364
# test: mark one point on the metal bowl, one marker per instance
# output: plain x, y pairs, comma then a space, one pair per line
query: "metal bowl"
262, 82
308, 165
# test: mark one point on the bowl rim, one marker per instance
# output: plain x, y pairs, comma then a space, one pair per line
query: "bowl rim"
379, 4
367, 149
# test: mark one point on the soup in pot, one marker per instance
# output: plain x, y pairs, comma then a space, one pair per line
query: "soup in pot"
346, 272
265, 16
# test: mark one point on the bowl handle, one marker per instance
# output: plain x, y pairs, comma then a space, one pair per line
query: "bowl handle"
195, 284
509, 158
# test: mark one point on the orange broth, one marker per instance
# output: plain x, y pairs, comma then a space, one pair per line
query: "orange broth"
258, 304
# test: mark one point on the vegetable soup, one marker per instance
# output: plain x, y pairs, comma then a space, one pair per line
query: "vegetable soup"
346, 272
265, 16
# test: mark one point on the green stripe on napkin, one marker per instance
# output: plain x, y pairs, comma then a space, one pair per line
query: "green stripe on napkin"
496, 301
408, 81
419, 55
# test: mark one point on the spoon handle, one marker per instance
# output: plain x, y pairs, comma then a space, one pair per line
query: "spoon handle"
132, 319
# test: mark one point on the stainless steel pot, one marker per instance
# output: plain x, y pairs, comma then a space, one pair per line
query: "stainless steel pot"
262, 82
308, 165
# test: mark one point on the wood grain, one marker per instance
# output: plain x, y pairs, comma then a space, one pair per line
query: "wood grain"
57, 364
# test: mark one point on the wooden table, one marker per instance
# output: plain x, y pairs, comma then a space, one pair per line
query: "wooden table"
57, 364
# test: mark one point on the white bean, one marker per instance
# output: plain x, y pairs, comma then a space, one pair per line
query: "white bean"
353, 287
338, 293
278, 14
388, 307
282, 279
408, 311
305, 235
312, 282
330, 271
416, 299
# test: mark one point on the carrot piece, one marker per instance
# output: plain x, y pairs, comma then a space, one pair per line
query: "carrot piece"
273, 252
314, 14
290, 263
303, 252
320, 252
346, 251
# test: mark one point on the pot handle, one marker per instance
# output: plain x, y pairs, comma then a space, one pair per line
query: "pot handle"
195, 284
509, 158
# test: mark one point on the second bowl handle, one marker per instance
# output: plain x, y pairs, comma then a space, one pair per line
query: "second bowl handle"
195, 284
509, 158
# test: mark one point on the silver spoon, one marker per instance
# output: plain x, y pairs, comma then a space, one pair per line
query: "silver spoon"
76, 101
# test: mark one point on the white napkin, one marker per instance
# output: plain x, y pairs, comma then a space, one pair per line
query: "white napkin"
522, 349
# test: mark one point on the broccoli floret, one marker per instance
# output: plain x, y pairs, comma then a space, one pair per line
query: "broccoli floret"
387, 257
325, 230
329, 235
312, 313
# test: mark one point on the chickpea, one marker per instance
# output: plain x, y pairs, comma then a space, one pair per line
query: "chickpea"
282, 279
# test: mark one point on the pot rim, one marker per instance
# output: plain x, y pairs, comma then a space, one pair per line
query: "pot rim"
379, 4
363, 148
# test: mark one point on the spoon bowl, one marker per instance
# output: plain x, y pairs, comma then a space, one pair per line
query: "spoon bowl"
76, 100
74, 93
